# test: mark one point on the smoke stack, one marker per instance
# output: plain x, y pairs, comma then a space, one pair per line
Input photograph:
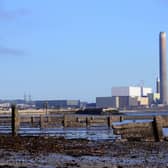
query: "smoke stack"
157, 85
163, 69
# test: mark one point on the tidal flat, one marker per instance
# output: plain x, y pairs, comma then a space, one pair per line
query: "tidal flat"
51, 152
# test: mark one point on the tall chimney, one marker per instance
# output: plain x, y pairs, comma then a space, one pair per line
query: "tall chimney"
157, 85
163, 69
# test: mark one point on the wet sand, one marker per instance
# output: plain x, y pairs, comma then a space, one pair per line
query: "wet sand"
50, 152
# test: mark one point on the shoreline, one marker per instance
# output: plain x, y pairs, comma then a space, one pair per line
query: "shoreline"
53, 152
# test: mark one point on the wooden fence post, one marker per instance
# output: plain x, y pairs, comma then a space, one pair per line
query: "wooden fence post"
121, 118
41, 121
109, 121
87, 121
32, 121
15, 122
48, 118
157, 128
65, 121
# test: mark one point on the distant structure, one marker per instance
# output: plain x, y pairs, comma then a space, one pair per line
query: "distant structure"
104, 102
131, 96
25, 97
157, 85
127, 97
163, 69
57, 104
139, 96
29, 98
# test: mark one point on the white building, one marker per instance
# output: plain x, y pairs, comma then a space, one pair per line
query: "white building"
131, 91
131, 96
146, 91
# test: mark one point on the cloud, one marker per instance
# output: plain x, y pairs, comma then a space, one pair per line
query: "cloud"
10, 15
11, 51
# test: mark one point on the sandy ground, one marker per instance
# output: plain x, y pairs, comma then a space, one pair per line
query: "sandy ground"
49, 152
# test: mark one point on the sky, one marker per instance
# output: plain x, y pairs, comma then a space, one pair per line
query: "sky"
73, 49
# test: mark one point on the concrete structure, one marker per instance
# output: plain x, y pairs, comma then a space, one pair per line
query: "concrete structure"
104, 102
131, 96
163, 69
146, 91
133, 101
143, 101
124, 101
116, 102
129, 102
131, 91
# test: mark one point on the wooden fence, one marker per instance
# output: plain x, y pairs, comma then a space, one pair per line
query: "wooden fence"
149, 130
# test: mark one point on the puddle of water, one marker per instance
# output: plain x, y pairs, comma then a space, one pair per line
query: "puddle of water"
92, 133
131, 121
165, 132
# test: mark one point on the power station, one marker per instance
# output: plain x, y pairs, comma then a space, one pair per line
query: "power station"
131, 96
163, 69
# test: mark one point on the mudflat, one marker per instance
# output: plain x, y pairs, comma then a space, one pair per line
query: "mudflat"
51, 152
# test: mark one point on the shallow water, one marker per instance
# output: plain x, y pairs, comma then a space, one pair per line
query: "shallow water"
154, 113
92, 133
131, 121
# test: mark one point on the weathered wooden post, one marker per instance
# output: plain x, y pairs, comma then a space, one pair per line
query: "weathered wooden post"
48, 118
65, 121
121, 118
77, 119
15, 120
109, 121
41, 121
32, 121
157, 128
87, 121
45, 107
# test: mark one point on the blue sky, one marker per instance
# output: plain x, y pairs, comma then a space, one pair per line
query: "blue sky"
78, 49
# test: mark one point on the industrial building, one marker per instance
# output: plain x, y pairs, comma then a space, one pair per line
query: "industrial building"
104, 102
131, 91
131, 96
145, 91
126, 97
57, 104
135, 96
154, 98
126, 91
